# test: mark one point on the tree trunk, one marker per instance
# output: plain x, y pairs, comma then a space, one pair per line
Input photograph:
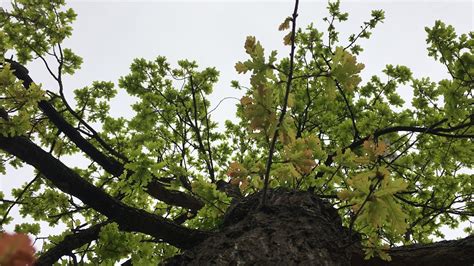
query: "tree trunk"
299, 228
292, 228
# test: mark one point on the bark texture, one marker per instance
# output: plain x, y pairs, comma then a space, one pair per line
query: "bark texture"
292, 228
297, 228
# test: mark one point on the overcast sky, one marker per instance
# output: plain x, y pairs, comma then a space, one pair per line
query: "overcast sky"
110, 34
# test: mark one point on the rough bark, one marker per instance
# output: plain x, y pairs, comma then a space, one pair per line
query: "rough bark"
299, 228
292, 228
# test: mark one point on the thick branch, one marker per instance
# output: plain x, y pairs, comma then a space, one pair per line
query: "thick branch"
70, 243
433, 131
110, 164
453, 252
71, 183
81, 238
173, 197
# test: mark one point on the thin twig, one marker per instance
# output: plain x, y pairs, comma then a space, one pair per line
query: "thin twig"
285, 104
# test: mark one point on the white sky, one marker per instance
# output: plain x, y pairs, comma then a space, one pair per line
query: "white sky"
110, 34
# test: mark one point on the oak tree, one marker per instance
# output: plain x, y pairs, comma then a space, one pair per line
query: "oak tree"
320, 167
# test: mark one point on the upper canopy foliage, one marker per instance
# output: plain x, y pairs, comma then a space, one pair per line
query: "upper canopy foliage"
396, 171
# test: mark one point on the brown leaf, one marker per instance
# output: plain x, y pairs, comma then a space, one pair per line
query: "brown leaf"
16, 249
287, 39
285, 24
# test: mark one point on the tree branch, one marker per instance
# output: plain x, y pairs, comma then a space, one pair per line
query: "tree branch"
197, 131
285, 105
453, 252
348, 105
81, 238
110, 164
70, 243
71, 183
433, 130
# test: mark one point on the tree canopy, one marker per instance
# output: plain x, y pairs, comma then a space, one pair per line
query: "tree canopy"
161, 181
